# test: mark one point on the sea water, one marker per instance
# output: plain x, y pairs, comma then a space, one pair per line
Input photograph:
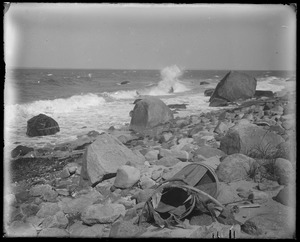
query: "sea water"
85, 100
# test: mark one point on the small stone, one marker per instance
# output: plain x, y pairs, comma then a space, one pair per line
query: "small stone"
29, 209
98, 213
156, 174
146, 182
53, 232
94, 231
63, 192
250, 227
258, 197
22, 196
126, 177
59, 220
48, 209
152, 155
65, 173
168, 161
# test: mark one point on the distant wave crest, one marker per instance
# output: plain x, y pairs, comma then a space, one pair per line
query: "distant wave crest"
56, 106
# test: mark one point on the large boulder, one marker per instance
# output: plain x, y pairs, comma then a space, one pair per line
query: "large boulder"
251, 140
41, 125
106, 155
149, 112
234, 86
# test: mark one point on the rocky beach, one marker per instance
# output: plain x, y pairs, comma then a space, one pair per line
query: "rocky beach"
106, 184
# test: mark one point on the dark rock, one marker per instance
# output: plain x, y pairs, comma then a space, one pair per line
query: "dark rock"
181, 106
41, 125
261, 93
209, 92
250, 227
93, 133
148, 113
234, 86
204, 83
20, 150
218, 102
195, 130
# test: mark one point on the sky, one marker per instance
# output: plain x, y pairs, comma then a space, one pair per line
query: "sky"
150, 36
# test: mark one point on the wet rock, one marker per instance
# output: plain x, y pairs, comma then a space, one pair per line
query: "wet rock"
262, 93
41, 125
20, 150
234, 86
127, 176
53, 232
208, 92
21, 229
105, 155
235, 167
99, 213
149, 112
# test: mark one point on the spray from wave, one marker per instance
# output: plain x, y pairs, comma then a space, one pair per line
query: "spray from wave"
169, 84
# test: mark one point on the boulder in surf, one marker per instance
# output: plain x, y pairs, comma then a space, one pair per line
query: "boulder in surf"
234, 86
41, 125
149, 112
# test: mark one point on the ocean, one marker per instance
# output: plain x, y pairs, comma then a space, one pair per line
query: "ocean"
85, 100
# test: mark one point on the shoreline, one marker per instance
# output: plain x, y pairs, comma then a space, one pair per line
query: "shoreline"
47, 166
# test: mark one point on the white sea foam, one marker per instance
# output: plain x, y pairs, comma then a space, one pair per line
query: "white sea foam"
169, 83
51, 107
